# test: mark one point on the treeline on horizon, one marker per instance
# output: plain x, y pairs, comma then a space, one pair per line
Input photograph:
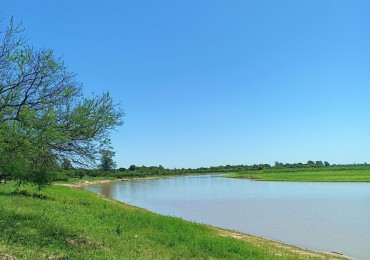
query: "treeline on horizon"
146, 171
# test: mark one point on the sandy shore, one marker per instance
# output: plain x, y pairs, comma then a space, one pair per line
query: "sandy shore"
278, 246
80, 184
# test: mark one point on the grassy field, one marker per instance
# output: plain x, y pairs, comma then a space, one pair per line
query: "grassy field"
64, 223
308, 175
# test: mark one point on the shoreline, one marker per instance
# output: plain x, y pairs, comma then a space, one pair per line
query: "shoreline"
275, 245
80, 184
252, 178
356, 176
281, 245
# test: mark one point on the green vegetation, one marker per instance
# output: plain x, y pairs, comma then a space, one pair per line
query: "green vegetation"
63, 222
74, 175
143, 171
106, 160
351, 173
296, 172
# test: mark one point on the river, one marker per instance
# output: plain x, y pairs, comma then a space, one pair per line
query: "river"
320, 216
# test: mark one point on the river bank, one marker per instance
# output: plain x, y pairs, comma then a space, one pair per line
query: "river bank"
317, 215
262, 241
90, 181
63, 222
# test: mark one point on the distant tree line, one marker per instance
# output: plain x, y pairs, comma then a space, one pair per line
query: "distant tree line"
144, 171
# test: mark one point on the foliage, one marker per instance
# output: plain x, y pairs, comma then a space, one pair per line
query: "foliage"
106, 160
319, 163
251, 171
310, 162
44, 119
66, 164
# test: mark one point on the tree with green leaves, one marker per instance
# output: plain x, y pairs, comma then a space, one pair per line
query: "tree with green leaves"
44, 118
106, 160
319, 163
310, 163
66, 164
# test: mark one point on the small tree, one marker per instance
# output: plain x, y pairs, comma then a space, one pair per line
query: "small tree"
326, 163
310, 162
107, 162
279, 164
319, 163
66, 164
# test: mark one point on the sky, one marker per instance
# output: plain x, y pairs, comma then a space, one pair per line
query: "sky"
208, 83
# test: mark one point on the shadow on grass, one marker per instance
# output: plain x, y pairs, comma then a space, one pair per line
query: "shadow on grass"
26, 193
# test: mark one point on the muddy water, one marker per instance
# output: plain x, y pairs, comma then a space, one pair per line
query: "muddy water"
321, 216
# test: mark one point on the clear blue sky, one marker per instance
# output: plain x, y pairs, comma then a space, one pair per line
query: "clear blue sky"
219, 82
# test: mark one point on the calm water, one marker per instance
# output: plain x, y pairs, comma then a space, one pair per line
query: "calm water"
320, 216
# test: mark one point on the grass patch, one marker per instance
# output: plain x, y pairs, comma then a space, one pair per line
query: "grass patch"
65, 223
307, 175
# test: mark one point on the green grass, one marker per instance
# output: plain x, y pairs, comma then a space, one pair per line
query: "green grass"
308, 175
67, 223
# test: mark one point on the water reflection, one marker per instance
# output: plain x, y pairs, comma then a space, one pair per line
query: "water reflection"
321, 216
